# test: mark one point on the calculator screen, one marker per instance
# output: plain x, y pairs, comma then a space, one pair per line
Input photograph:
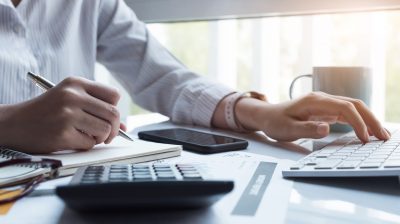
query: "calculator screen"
194, 137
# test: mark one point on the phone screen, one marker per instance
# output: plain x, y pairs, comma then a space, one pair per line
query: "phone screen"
194, 137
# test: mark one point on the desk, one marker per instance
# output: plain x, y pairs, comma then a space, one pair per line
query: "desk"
310, 201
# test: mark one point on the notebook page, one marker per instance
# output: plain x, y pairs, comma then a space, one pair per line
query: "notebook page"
118, 149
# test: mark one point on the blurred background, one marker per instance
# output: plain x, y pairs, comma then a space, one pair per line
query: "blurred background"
265, 54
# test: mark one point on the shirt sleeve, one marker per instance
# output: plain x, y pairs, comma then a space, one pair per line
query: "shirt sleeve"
153, 77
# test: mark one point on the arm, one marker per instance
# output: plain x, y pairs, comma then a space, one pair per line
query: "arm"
154, 78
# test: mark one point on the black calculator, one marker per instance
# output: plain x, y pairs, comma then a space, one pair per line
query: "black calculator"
141, 186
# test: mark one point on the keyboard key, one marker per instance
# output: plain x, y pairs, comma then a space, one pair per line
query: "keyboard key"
392, 164
370, 165
368, 160
342, 154
328, 151
381, 153
328, 164
361, 153
356, 158
311, 163
378, 157
297, 166
346, 150
337, 157
348, 165
330, 147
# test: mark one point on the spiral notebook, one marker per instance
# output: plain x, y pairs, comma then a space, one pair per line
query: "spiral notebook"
119, 151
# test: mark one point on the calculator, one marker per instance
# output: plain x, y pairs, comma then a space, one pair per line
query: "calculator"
142, 186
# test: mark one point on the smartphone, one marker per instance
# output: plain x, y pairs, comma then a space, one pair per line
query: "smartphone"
195, 141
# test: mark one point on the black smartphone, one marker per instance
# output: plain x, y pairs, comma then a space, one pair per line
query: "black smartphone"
196, 141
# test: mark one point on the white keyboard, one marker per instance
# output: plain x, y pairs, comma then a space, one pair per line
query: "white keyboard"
348, 157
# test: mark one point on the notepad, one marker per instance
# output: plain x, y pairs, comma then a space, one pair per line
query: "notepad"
118, 151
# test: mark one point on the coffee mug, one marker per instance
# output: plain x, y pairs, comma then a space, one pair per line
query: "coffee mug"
354, 82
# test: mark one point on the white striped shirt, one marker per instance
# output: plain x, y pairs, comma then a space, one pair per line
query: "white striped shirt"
61, 38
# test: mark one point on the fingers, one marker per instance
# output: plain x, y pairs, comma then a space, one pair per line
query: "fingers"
342, 108
93, 126
102, 92
309, 129
352, 116
104, 111
371, 121
82, 141
327, 119
123, 127
95, 99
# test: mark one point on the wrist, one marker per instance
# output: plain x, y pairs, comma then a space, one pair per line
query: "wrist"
252, 113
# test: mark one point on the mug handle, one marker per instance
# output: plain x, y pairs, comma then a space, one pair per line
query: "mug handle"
294, 80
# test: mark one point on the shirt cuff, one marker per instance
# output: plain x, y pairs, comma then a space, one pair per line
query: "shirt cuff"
198, 109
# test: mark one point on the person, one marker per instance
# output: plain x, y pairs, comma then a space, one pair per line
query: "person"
62, 40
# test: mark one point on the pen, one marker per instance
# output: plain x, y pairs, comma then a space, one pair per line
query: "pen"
46, 84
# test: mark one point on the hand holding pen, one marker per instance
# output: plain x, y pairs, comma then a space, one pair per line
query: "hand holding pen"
46, 85
75, 114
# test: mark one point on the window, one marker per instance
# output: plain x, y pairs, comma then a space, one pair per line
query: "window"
265, 54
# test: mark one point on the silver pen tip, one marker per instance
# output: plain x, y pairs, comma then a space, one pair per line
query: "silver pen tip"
124, 135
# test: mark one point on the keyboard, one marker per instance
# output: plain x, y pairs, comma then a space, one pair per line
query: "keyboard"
348, 157
141, 186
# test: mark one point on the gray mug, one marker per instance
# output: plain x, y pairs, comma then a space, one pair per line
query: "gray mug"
354, 82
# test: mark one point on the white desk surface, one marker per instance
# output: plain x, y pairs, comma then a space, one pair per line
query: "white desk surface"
311, 201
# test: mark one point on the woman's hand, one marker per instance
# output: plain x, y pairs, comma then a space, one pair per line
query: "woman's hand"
308, 117
76, 114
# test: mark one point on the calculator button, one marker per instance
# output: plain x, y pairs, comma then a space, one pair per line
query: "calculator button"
161, 166
141, 172
166, 176
163, 170
134, 168
192, 176
183, 165
190, 173
118, 167
118, 172
97, 176
140, 166
142, 177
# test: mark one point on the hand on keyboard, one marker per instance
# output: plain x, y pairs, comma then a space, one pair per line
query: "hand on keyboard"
310, 116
